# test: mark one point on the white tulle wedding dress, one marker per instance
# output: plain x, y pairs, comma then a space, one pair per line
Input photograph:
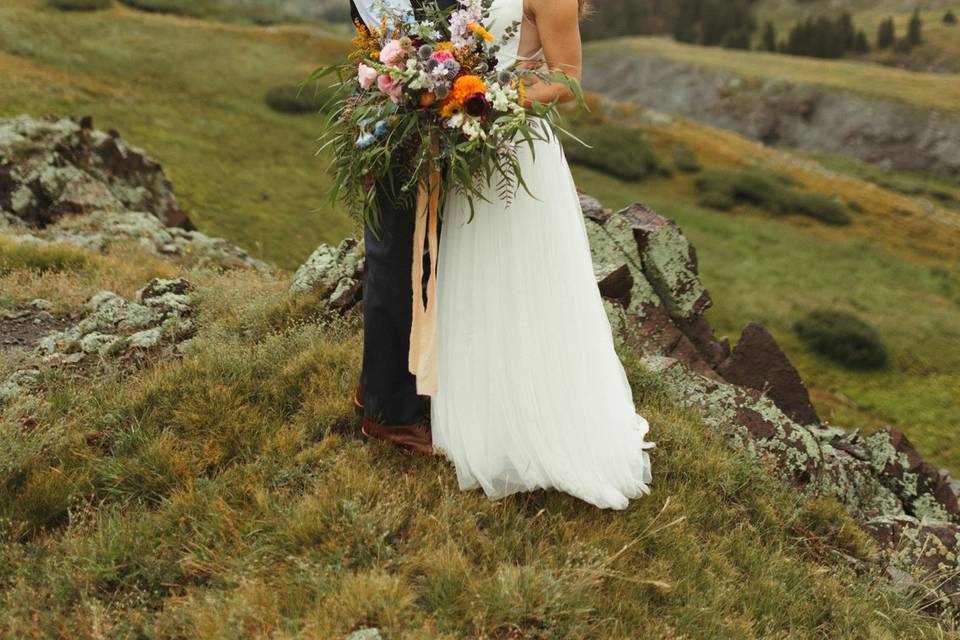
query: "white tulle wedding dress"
531, 394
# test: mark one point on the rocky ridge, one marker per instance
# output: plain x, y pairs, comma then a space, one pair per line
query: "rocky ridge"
62, 181
647, 272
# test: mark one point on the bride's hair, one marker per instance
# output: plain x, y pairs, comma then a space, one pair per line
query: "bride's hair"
584, 7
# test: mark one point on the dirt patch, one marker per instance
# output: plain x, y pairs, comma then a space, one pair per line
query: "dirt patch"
23, 327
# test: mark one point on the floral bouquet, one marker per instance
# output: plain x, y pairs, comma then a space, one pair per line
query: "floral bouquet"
422, 94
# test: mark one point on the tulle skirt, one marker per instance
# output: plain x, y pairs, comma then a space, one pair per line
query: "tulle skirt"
531, 392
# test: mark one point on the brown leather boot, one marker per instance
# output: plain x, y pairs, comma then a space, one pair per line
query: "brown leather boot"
414, 438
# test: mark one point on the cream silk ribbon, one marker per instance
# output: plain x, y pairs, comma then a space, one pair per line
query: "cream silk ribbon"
424, 360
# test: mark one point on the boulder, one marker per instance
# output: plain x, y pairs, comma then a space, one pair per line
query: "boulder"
758, 362
334, 273
54, 167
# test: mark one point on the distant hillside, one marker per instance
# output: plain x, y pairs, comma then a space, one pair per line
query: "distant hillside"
898, 119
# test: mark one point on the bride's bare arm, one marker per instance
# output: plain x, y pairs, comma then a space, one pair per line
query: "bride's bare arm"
558, 22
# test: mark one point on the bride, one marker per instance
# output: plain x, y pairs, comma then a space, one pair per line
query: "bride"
530, 392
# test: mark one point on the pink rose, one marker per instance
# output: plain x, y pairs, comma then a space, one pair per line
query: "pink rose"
392, 53
442, 56
367, 76
391, 87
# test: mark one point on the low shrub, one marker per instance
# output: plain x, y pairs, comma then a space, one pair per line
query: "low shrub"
844, 338
294, 99
686, 161
619, 151
79, 5
724, 188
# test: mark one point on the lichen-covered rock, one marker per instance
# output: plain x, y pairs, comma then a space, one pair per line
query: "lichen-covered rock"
113, 328
335, 273
927, 551
56, 167
17, 383
62, 181
758, 362
670, 262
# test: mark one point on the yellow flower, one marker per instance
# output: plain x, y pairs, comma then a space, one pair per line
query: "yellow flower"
450, 108
480, 31
444, 46
466, 86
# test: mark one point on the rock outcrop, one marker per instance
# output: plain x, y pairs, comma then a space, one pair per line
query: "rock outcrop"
113, 328
887, 132
647, 272
64, 181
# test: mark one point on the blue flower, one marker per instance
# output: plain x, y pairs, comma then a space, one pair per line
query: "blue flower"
381, 129
365, 140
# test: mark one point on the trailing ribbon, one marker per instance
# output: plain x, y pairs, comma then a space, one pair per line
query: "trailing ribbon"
424, 360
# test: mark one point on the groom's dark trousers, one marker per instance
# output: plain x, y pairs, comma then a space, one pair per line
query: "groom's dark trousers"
389, 389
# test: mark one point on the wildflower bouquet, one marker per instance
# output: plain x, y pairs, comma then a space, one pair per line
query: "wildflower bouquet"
421, 93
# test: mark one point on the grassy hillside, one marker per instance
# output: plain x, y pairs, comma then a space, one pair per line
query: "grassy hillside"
192, 93
227, 495
895, 266
924, 90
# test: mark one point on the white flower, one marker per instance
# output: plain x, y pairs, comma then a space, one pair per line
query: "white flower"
472, 129
456, 121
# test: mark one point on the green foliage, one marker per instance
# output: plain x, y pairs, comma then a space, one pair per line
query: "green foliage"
728, 23
769, 38
915, 29
79, 5
16, 256
950, 18
886, 34
296, 99
823, 37
724, 188
621, 151
686, 160
844, 338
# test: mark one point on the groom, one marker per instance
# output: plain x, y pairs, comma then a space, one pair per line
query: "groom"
387, 395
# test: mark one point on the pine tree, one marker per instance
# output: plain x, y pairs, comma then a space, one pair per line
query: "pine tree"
769, 37
862, 44
886, 34
915, 31
949, 17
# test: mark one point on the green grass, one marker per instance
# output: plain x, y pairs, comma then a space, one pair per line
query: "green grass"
15, 256
227, 495
192, 93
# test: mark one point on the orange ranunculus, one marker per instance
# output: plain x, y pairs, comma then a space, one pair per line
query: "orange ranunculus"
466, 86
427, 99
